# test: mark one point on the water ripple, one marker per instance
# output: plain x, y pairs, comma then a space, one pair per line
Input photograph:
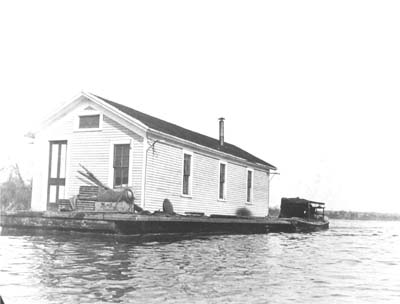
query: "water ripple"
352, 262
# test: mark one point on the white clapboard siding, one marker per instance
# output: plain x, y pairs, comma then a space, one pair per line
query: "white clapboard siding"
164, 180
163, 174
93, 149
260, 193
162, 167
60, 130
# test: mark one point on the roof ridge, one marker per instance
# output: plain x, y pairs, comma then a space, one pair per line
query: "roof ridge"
153, 117
184, 133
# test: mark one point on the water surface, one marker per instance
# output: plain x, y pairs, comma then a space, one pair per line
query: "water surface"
353, 262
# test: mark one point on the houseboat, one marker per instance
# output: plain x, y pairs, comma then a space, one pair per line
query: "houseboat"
157, 160
103, 166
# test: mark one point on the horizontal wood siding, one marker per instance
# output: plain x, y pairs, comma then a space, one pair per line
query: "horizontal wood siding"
164, 170
59, 130
164, 180
163, 176
236, 182
115, 132
94, 151
205, 185
91, 149
261, 193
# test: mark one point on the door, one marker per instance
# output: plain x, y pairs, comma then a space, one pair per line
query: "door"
57, 169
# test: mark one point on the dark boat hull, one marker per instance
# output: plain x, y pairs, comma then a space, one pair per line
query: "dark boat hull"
304, 225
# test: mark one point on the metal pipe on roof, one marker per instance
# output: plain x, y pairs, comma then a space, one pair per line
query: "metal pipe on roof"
221, 131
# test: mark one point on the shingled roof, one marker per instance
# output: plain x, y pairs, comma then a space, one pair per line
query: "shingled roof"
177, 131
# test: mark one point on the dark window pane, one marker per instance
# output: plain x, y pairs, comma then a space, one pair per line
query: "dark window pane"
117, 156
121, 164
89, 121
222, 177
186, 173
186, 164
221, 190
185, 189
125, 156
222, 173
125, 176
249, 185
117, 177
249, 179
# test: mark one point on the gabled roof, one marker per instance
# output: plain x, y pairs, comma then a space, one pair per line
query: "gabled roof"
182, 133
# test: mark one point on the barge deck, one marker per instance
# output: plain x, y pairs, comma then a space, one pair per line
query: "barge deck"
136, 224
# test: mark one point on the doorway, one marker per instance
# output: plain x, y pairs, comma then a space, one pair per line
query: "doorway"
57, 171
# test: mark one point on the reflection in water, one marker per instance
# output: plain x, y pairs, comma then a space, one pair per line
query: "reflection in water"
351, 262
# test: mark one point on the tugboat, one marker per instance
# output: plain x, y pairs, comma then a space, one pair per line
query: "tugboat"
303, 214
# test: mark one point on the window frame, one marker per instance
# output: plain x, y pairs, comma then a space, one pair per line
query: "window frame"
190, 185
88, 113
249, 202
111, 176
224, 199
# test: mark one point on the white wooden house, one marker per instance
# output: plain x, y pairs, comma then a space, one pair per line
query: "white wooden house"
156, 159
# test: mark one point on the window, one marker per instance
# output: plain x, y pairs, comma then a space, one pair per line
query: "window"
121, 165
222, 181
89, 121
249, 186
187, 177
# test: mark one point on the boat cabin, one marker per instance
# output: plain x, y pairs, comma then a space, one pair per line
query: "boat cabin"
301, 208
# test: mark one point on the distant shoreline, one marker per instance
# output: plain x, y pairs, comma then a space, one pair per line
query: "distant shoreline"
365, 216
351, 215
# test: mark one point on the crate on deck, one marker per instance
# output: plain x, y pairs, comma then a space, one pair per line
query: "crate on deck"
87, 198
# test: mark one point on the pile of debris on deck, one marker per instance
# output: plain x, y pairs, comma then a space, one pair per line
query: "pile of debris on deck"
101, 198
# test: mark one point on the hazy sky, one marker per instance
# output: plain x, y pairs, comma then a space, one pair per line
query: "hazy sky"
309, 86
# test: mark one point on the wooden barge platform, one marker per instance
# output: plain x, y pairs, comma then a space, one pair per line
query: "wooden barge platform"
136, 224
297, 215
